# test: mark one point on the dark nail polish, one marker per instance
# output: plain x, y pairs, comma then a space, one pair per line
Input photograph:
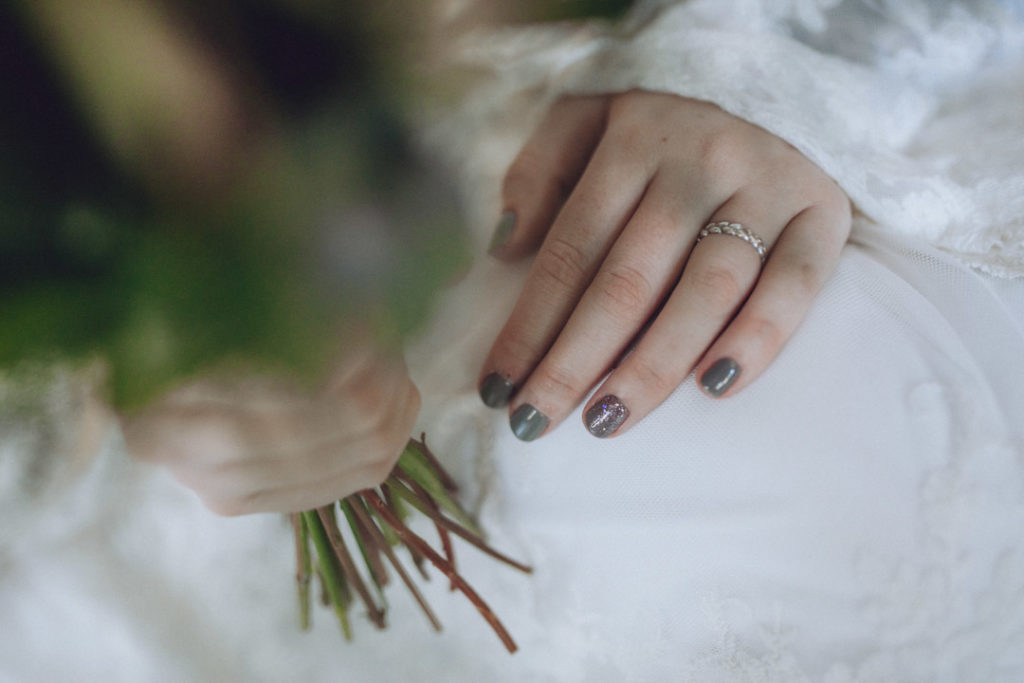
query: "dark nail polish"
605, 416
502, 232
720, 376
527, 422
495, 390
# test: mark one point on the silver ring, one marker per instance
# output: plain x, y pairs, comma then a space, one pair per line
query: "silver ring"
735, 230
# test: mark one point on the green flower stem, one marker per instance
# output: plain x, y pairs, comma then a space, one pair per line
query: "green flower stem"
390, 536
304, 569
348, 566
363, 515
330, 572
446, 479
415, 464
325, 597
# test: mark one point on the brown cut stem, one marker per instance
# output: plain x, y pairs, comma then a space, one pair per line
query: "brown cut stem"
330, 522
393, 505
364, 517
413, 495
442, 532
449, 551
411, 539
371, 548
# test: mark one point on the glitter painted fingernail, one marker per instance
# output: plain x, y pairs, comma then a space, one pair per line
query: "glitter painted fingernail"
495, 390
527, 422
720, 376
502, 232
605, 416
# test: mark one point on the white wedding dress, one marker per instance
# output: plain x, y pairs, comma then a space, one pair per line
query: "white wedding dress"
855, 515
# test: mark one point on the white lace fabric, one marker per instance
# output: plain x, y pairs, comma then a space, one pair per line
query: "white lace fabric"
914, 108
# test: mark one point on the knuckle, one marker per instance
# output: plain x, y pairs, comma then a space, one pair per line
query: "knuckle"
367, 409
717, 285
371, 475
536, 172
631, 135
561, 263
522, 176
623, 292
653, 376
550, 380
233, 506
415, 401
718, 153
803, 276
516, 350
379, 426
766, 331
623, 105
379, 471
833, 202
636, 104
808, 278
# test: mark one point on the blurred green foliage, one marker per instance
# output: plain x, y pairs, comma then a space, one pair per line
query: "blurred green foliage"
92, 265
347, 222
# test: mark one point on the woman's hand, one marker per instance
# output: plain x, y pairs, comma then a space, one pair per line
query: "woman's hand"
615, 190
257, 446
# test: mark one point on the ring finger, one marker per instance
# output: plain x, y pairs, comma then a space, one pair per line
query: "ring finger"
720, 273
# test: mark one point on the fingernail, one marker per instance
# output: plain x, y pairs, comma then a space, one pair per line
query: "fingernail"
720, 376
527, 422
605, 416
502, 232
495, 390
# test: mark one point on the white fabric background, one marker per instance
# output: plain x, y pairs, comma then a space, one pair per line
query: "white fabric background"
853, 516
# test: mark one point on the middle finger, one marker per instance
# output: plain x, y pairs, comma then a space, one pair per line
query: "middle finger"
577, 243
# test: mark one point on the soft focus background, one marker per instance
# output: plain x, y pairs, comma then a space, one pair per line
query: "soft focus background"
195, 186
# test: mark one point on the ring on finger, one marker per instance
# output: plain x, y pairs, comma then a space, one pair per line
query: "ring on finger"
735, 230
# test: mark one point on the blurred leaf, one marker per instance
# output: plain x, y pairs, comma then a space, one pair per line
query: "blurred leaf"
564, 10
338, 219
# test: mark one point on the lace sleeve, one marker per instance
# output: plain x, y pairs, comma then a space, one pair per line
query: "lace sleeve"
882, 95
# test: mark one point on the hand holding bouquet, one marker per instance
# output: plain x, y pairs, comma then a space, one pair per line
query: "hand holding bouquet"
211, 219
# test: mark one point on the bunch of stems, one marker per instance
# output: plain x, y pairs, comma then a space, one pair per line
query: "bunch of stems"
376, 522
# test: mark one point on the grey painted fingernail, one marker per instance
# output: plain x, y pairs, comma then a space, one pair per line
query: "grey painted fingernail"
502, 232
605, 416
527, 422
720, 376
495, 390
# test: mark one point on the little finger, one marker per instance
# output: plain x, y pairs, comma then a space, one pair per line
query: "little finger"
801, 262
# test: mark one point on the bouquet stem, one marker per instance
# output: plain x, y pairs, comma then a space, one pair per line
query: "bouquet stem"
304, 570
375, 519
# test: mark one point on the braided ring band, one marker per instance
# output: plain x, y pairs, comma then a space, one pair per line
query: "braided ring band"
735, 230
